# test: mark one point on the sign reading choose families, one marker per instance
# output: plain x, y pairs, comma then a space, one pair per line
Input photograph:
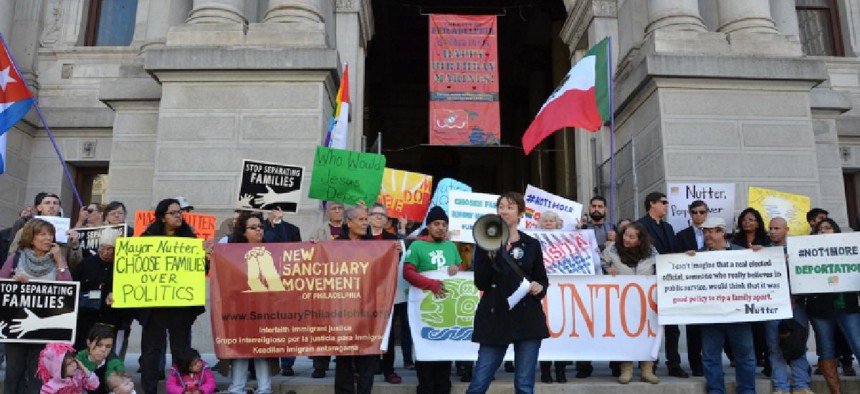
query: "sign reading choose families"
159, 271
346, 176
826, 263
465, 209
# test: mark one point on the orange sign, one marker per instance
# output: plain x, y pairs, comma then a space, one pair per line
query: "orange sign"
406, 194
204, 225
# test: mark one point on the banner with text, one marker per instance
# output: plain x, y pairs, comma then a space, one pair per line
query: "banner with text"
299, 299
159, 271
406, 194
465, 209
791, 207
825, 263
38, 311
600, 318
88, 238
464, 80
204, 225
346, 176
267, 186
547, 211
720, 198
568, 252
723, 287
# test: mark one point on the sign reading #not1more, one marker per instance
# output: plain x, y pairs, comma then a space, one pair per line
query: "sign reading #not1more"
267, 186
720, 198
825, 263
540, 202
464, 209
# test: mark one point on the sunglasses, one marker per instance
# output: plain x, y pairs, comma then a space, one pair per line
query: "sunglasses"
255, 227
702, 212
664, 202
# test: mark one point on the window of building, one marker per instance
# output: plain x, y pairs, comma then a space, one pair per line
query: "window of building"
110, 22
819, 27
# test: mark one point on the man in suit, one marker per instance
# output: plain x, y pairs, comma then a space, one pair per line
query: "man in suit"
693, 238
277, 230
663, 238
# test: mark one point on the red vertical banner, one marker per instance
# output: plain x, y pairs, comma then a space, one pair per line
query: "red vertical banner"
464, 83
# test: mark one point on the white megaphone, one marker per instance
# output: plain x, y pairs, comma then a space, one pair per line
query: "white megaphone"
490, 232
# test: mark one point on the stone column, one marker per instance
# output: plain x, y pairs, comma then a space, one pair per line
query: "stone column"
217, 11
161, 15
26, 29
294, 11
785, 17
7, 11
673, 15
301, 23
745, 16
211, 22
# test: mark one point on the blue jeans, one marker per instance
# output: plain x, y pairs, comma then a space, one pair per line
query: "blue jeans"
740, 340
825, 335
239, 375
490, 357
780, 368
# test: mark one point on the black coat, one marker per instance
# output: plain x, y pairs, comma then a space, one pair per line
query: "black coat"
687, 239
281, 232
495, 325
156, 230
662, 235
820, 305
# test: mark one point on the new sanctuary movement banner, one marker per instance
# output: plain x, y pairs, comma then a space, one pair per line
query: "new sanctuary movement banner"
464, 80
599, 318
300, 299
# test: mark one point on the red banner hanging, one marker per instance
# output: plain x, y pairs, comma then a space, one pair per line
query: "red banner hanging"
464, 83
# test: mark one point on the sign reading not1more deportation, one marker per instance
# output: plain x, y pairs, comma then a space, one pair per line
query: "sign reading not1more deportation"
38, 311
540, 202
88, 238
266, 186
346, 176
825, 263
299, 299
159, 272
723, 287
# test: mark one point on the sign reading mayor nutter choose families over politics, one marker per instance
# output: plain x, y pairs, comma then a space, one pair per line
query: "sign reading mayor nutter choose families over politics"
825, 263
159, 271
267, 186
38, 311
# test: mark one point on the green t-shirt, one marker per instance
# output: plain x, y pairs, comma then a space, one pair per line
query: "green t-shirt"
111, 365
432, 256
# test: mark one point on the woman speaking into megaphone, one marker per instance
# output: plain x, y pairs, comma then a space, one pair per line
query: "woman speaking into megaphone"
513, 278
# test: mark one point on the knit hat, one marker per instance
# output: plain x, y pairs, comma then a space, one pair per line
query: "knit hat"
436, 213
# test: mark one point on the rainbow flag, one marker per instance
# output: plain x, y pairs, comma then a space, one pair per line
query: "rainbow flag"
338, 128
530, 213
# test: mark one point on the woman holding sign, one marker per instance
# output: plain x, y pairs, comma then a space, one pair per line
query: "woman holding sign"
634, 255
39, 258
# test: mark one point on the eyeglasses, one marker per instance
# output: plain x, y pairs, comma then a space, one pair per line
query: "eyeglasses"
702, 212
174, 213
255, 227
91, 210
379, 214
664, 202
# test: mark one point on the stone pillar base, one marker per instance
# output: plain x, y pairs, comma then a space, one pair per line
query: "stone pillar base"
206, 34
685, 42
765, 45
305, 35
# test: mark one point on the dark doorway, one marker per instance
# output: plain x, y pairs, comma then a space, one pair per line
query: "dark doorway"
397, 90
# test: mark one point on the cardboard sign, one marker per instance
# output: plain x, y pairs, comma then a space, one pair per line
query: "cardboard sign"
346, 176
88, 238
465, 209
720, 198
568, 252
204, 226
61, 226
600, 318
824, 263
540, 202
791, 207
723, 287
267, 186
159, 271
406, 194
38, 311
298, 299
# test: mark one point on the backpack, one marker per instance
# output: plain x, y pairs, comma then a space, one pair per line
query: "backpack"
792, 339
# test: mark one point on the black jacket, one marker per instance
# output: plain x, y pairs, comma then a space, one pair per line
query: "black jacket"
820, 305
281, 232
687, 239
662, 235
495, 325
155, 230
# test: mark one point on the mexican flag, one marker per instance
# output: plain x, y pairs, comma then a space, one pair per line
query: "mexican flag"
582, 99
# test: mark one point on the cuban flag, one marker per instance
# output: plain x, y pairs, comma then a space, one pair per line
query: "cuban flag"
15, 99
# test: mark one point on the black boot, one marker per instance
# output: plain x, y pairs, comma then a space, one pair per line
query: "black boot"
545, 375
560, 373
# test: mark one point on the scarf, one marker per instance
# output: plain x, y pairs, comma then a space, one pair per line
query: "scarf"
36, 266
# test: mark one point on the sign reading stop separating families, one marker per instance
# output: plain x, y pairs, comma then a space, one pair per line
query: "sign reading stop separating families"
825, 263
159, 272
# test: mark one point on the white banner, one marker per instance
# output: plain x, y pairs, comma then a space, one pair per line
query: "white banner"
464, 209
539, 202
826, 263
568, 252
61, 226
600, 318
723, 287
720, 198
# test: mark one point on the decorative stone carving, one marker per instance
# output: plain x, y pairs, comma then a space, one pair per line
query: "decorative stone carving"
53, 18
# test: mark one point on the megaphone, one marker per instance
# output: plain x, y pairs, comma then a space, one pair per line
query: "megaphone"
490, 232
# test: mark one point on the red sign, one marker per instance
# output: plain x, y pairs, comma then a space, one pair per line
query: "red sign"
464, 83
204, 225
297, 299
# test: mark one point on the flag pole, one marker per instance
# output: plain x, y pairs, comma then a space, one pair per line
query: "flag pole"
612, 182
45, 124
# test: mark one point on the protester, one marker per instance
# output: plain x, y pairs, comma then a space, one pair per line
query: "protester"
603, 231
426, 254
98, 356
331, 229
378, 221
634, 255
693, 238
496, 326
549, 220
751, 231
91, 215
61, 373
94, 274
189, 374
184, 204
827, 311
38, 257
115, 213
48, 204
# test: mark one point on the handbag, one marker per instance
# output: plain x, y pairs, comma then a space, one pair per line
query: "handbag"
792, 339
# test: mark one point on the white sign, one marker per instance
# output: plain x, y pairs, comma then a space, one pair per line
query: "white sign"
826, 263
61, 226
568, 252
599, 318
539, 202
720, 198
723, 287
464, 209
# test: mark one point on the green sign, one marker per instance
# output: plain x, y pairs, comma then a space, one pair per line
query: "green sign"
346, 176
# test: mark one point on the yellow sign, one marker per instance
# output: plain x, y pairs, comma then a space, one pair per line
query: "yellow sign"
406, 194
159, 271
791, 207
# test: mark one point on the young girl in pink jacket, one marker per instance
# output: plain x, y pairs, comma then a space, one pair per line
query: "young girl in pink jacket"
190, 375
61, 373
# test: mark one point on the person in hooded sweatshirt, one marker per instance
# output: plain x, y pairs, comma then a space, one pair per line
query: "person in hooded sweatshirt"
62, 373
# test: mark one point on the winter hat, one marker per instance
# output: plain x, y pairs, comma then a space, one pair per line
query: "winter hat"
51, 360
436, 213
